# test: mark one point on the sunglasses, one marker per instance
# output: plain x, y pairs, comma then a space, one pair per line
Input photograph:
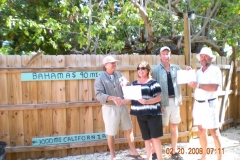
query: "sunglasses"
141, 68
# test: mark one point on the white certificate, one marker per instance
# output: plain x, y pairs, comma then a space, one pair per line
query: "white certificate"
132, 92
184, 76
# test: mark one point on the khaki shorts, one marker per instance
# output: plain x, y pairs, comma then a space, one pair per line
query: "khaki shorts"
115, 118
206, 114
171, 113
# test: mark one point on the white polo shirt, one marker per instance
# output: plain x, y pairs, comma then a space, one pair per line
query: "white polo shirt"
212, 75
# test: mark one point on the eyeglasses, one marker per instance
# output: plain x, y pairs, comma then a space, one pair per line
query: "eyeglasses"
141, 68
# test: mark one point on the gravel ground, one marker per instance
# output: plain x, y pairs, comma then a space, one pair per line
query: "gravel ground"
230, 143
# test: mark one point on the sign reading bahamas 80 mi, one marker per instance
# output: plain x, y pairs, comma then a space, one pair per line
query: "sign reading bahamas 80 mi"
51, 76
68, 139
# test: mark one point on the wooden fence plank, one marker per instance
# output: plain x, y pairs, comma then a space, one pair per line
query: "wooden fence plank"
222, 60
15, 97
183, 109
98, 124
223, 106
131, 73
72, 94
230, 96
238, 89
4, 121
58, 95
229, 110
96, 111
89, 110
3, 81
30, 121
44, 96
86, 117
234, 85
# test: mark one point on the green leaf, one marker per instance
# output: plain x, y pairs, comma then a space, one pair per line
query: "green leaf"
26, 32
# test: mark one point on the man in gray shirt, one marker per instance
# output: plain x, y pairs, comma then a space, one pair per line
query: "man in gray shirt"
108, 91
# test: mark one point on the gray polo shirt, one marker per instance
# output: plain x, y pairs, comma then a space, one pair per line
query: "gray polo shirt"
105, 86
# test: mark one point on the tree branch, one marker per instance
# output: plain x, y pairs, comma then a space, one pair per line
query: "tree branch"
176, 2
211, 44
176, 9
170, 15
205, 22
146, 20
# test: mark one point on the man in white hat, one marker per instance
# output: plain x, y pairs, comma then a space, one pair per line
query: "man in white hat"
108, 91
171, 98
206, 108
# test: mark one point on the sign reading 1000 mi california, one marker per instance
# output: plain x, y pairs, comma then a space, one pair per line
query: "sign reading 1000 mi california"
51, 76
68, 139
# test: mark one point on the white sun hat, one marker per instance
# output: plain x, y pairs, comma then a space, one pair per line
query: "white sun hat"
207, 51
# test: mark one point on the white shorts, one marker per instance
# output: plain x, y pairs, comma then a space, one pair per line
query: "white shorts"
206, 114
115, 118
172, 113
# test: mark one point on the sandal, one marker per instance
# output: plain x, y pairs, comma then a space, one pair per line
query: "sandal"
137, 157
154, 156
176, 156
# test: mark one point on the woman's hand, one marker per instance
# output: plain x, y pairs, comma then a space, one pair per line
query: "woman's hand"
154, 100
142, 101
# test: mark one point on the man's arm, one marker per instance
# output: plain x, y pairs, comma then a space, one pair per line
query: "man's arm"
100, 91
213, 86
206, 87
101, 95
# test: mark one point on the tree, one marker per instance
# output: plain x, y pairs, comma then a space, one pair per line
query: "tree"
108, 26
206, 29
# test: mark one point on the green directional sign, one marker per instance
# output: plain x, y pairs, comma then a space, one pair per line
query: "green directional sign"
51, 76
68, 139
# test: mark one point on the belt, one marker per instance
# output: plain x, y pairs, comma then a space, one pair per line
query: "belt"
202, 101
172, 96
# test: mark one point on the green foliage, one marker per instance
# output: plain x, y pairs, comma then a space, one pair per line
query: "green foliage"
225, 22
6, 51
56, 27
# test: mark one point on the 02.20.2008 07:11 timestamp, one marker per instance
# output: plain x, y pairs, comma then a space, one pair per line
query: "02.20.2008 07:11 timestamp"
195, 150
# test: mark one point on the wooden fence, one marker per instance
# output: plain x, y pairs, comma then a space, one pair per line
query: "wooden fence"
32, 109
